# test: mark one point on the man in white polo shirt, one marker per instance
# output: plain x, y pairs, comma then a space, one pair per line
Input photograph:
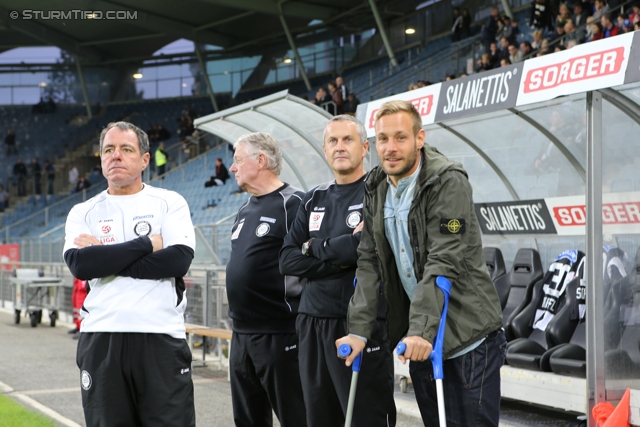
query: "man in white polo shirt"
135, 243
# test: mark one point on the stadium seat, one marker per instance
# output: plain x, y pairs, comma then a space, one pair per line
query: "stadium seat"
534, 352
516, 287
495, 262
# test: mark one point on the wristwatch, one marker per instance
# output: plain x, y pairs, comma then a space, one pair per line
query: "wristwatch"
306, 246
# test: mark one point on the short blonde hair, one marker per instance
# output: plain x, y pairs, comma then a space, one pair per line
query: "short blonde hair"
393, 107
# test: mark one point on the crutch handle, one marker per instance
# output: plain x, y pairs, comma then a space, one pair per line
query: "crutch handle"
436, 354
344, 350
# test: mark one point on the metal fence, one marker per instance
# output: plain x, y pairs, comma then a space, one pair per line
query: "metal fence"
205, 285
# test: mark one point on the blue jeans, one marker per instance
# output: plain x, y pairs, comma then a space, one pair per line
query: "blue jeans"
471, 386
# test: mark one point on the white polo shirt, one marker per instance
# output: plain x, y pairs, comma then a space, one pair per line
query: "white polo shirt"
124, 304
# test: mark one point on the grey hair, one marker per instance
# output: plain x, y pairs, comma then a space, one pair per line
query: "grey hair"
262, 142
362, 132
143, 139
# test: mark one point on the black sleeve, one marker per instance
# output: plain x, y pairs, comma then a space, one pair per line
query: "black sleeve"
173, 261
341, 250
105, 260
292, 261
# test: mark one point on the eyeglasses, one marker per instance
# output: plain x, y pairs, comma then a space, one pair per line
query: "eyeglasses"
239, 160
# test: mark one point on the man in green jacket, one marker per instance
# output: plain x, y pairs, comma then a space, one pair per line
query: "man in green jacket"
420, 223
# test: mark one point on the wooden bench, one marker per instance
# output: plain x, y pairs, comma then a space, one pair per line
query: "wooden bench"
204, 332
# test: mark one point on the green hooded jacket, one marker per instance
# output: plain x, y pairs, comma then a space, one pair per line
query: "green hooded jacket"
446, 241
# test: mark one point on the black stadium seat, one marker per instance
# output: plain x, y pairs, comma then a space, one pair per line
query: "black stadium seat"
515, 287
495, 262
534, 352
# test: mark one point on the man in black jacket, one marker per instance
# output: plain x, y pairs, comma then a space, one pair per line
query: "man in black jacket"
321, 248
20, 174
263, 364
221, 176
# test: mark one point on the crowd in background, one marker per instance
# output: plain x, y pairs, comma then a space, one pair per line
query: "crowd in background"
336, 98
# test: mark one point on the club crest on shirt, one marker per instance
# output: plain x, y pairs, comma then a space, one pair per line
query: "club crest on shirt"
142, 228
262, 229
315, 221
353, 219
85, 380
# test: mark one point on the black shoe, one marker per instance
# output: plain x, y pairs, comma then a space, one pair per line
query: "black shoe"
73, 331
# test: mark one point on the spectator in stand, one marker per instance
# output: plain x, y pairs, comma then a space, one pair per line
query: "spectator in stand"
351, 105
413, 86
514, 54
39, 107
525, 48
597, 32
36, 173
621, 18
450, 77
507, 30
580, 14
466, 23
505, 62
185, 126
221, 176
50, 173
504, 48
490, 29
627, 26
494, 55
82, 184
161, 158
163, 133
73, 176
537, 39
484, 63
564, 15
600, 8
559, 48
322, 97
189, 112
51, 106
540, 15
572, 34
20, 174
609, 29
544, 48
636, 26
10, 142
456, 29
634, 16
4, 199
342, 88
515, 30
557, 35
336, 97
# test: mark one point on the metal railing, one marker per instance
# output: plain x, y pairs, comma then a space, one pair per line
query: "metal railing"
205, 286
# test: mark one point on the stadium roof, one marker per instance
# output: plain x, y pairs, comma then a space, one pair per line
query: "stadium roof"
104, 32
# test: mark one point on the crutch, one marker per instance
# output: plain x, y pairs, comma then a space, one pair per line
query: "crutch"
436, 354
343, 351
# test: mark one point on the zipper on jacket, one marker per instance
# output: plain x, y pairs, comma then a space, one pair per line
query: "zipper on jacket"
416, 249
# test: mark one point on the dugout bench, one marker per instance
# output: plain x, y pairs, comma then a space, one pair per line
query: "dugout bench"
207, 332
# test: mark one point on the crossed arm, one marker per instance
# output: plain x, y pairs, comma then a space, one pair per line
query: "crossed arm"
141, 258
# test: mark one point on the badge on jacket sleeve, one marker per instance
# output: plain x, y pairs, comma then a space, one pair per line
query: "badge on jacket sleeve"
452, 225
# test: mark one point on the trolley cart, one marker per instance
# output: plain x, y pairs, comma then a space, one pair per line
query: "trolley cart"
436, 354
33, 293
